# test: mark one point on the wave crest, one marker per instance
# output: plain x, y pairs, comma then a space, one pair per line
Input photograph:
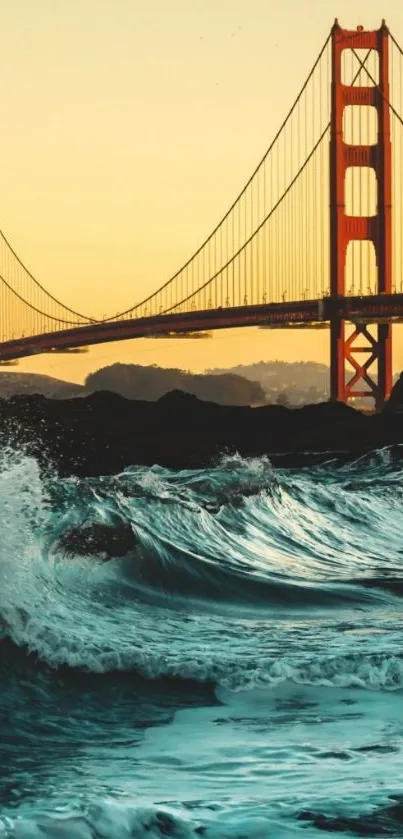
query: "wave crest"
225, 556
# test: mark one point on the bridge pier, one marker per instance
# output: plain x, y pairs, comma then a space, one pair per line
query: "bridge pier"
369, 357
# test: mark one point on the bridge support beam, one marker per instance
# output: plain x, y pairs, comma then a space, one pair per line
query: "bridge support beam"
349, 377
369, 358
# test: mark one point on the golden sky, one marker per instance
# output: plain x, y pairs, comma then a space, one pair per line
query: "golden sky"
128, 128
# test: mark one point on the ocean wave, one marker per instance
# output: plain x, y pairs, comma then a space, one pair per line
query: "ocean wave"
230, 665
366, 671
222, 554
111, 819
119, 820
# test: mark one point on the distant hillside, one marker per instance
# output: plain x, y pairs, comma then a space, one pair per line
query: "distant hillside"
137, 382
253, 384
27, 383
297, 382
280, 382
294, 383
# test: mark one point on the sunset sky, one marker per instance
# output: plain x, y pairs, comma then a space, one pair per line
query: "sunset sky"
127, 130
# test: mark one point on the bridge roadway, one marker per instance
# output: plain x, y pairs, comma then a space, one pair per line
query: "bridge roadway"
370, 309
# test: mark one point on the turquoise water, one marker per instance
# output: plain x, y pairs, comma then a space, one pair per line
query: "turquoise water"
240, 674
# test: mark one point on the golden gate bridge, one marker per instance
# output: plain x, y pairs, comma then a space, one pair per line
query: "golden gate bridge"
315, 235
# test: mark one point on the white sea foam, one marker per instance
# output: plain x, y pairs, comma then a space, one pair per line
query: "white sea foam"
112, 820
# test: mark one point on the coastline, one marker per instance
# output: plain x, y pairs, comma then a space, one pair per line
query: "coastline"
104, 433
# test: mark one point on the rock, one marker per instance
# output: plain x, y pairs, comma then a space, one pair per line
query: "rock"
104, 433
395, 402
102, 540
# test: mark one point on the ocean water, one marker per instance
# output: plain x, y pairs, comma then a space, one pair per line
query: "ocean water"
239, 674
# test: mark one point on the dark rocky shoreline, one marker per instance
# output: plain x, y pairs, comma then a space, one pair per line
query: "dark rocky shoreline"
104, 433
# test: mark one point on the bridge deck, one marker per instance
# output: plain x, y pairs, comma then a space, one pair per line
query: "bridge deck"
369, 309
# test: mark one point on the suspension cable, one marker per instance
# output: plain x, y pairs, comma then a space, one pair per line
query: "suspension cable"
267, 217
377, 86
234, 203
397, 45
55, 300
39, 311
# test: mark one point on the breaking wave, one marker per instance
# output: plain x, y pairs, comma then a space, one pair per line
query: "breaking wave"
237, 594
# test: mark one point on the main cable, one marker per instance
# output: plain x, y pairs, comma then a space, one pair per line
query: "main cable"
266, 219
31, 276
234, 203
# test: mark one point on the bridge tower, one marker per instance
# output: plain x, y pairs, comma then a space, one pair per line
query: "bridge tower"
365, 352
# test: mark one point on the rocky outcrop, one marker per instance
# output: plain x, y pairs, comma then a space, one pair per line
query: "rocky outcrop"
103, 433
394, 404
105, 541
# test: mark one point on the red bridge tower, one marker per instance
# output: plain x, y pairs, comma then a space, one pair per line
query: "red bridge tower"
360, 348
